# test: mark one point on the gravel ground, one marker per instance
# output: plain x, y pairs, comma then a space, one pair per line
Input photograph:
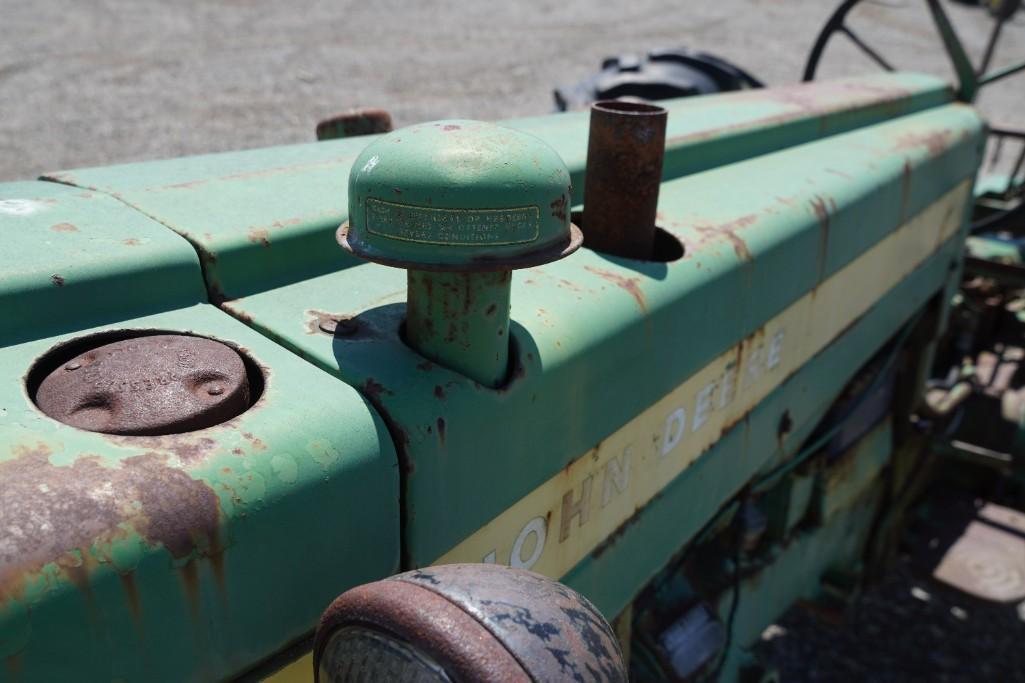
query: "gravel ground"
909, 627
105, 81
906, 629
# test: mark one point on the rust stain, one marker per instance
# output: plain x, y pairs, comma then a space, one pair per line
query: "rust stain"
131, 242
63, 227
374, 389
57, 280
261, 237
13, 664
132, 595
286, 222
186, 447
451, 127
318, 318
729, 231
439, 392
628, 284
821, 100
189, 576
75, 566
559, 207
216, 557
819, 206
181, 186
935, 141
441, 430
254, 441
58, 509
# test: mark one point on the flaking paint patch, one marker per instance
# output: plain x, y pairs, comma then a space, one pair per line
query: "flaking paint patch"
285, 468
261, 237
48, 511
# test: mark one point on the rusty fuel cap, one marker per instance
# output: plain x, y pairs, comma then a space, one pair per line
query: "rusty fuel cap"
149, 385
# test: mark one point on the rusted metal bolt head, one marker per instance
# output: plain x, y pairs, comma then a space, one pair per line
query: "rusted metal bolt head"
459, 195
158, 384
341, 326
465, 622
353, 123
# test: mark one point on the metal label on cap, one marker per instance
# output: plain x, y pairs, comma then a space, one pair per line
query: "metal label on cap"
453, 227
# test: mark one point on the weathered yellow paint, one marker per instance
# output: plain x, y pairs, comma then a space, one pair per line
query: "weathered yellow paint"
299, 671
555, 526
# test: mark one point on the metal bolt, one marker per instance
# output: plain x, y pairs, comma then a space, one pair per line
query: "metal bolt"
215, 390
73, 365
341, 326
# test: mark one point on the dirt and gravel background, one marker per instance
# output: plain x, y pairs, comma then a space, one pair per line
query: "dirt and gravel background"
105, 81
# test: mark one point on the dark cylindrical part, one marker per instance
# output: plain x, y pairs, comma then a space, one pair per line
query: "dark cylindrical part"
624, 170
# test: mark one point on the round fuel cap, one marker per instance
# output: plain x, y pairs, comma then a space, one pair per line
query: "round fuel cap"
159, 384
459, 196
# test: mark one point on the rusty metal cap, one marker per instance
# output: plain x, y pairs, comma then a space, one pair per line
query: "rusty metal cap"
160, 384
459, 195
474, 622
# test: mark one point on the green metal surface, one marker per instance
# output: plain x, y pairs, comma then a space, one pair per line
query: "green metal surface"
74, 258
654, 535
574, 384
191, 556
459, 195
166, 557
311, 505
461, 320
263, 218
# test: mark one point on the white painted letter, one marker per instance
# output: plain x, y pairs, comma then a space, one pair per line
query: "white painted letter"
536, 527
702, 406
775, 350
671, 437
754, 366
617, 476
728, 386
581, 508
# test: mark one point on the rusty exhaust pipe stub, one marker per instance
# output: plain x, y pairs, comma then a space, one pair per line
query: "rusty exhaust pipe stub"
465, 622
625, 150
354, 123
147, 385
